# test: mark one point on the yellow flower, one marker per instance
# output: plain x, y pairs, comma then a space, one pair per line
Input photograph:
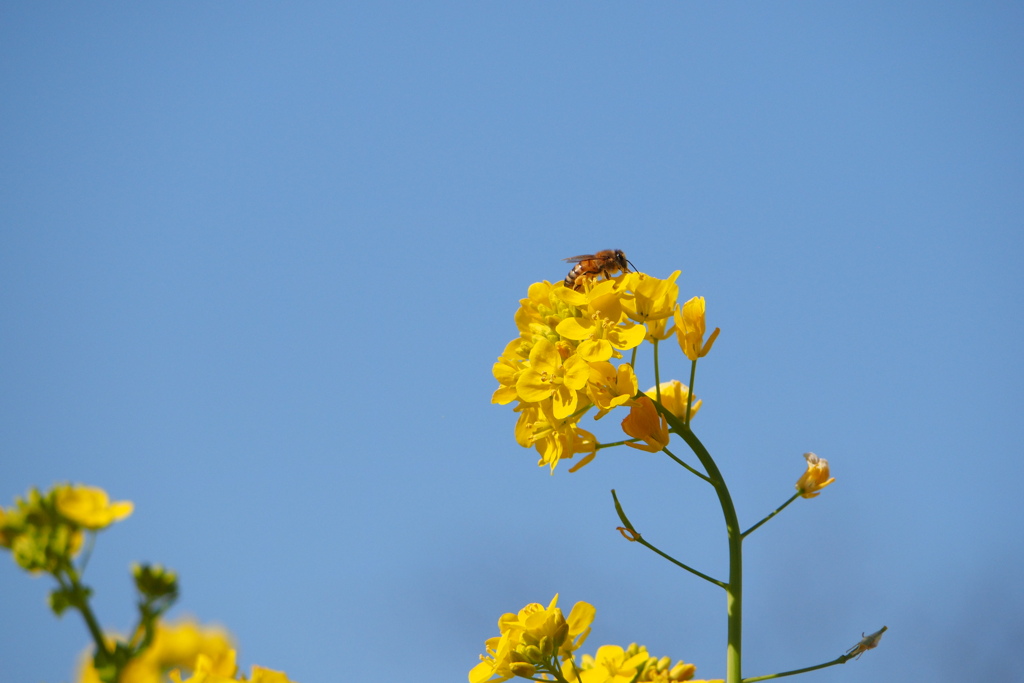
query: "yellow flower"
652, 299
263, 675
176, 646
603, 327
38, 536
507, 370
610, 387
644, 423
611, 664
90, 507
548, 377
658, 330
554, 439
536, 636
539, 314
815, 478
7, 529
690, 327
206, 671
663, 671
674, 395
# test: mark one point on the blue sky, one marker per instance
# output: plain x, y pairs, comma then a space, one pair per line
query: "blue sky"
257, 259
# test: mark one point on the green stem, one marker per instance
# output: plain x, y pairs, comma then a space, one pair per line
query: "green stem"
657, 374
777, 511
734, 589
678, 460
842, 659
636, 537
82, 605
689, 398
615, 443
677, 563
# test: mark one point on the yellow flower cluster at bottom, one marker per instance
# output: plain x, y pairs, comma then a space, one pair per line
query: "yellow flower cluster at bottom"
204, 652
533, 642
206, 672
613, 664
174, 646
538, 644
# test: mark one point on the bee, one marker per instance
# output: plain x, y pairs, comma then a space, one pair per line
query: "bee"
604, 262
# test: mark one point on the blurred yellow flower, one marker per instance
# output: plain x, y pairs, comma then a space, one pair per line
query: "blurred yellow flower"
39, 537
206, 671
690, 327
644, 423
815, 478
175, 646
90, 506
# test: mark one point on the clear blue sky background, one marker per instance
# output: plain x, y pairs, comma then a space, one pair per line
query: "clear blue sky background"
257, 260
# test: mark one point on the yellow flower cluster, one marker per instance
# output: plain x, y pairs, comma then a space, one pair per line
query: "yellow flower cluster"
206, 653
206, 672
538, 643
44, 531
612, 664
535, 642
175, 645
560, 365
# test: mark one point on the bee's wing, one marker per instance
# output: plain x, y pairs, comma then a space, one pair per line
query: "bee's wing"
577, 259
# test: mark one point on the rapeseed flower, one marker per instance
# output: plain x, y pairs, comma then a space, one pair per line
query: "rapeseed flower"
206, 671
565, 360
674, 396
690, 328
533, 640
602, 329
644, 423
45, 531
652, 299
613, 664
90, 507
175, 645
548, 377
611, 386
815, 478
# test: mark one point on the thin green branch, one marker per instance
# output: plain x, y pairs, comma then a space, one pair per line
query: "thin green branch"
634, 536
689, 397
81, 603
615, 443
842, 659
680, 461
721, 584
777, 511
657, 373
